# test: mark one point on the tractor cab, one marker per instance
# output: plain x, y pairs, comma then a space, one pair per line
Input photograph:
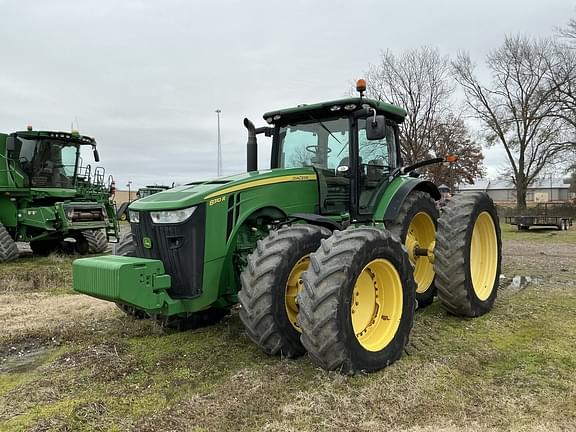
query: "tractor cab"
352, 144
47, 159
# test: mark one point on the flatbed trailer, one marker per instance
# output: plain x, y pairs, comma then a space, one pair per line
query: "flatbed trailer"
525, 222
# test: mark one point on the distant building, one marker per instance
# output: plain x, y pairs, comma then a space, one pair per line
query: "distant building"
121, 196
542, 190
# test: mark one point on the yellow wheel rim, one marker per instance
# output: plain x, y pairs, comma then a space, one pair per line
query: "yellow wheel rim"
483, 256
421, 234
293, 288
377, 305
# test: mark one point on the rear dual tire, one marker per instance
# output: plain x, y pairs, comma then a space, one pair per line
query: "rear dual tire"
416, 225
468, 255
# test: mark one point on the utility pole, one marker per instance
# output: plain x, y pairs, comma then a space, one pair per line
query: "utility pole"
219, 167
129, 194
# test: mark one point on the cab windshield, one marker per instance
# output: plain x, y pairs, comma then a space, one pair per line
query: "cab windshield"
47, 162
325, 145
315, 143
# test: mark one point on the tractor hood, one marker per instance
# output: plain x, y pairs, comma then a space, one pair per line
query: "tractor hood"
196, 193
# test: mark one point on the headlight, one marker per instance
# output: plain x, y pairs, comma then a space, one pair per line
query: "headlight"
171, 216
134, 216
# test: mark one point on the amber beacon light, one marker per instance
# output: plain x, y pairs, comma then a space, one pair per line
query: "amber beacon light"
361, 86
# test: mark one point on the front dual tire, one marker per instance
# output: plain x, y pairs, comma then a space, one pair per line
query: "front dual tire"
346, 298
271, 283
358, 300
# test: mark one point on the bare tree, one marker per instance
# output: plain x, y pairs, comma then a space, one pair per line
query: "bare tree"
569, 31
518, 108
418, 81
451, 137
562, 79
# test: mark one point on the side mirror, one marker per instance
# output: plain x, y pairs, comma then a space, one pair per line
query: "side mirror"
96, 155
376, 127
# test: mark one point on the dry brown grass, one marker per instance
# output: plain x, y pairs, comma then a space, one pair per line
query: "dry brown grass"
36, 274
44, 316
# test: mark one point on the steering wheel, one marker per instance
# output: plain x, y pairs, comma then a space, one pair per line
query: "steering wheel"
314, 149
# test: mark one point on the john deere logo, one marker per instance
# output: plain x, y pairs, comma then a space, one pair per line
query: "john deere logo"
147, 242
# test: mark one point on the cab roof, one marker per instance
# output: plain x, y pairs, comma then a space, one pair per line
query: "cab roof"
325, 108
68, 136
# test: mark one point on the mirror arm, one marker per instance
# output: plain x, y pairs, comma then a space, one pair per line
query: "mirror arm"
266, 130
409, 168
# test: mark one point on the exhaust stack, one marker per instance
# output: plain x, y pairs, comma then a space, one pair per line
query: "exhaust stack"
251, 147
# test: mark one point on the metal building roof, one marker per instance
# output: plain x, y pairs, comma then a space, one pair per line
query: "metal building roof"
491, 184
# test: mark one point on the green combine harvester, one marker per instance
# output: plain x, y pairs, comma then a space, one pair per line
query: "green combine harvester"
48, 199
329, 252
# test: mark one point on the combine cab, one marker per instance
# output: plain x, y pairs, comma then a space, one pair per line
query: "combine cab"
329, 252
48, 199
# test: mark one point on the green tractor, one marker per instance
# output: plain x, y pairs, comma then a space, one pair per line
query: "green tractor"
47, 197
329, 252
122, 213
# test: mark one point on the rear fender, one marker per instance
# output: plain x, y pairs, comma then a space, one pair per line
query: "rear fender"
392, 200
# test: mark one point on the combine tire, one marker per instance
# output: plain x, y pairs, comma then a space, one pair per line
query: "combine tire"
270, 286
468, 255
8, 248
127, 247
416, 225
357, 304
97, 241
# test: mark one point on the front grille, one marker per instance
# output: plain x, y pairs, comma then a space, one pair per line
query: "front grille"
179, 246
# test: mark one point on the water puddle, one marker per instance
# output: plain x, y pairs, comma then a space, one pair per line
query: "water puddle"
517, 283
18, 360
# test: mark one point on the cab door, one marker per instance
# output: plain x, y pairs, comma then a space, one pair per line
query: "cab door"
376, 160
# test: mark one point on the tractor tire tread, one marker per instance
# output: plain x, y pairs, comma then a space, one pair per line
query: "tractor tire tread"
257, 299
97, 241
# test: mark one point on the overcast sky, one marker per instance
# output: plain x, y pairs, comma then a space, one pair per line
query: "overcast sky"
144, 77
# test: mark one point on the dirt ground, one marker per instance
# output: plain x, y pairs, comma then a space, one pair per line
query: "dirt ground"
69, 362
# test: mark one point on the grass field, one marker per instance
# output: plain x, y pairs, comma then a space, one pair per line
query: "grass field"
69, 362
